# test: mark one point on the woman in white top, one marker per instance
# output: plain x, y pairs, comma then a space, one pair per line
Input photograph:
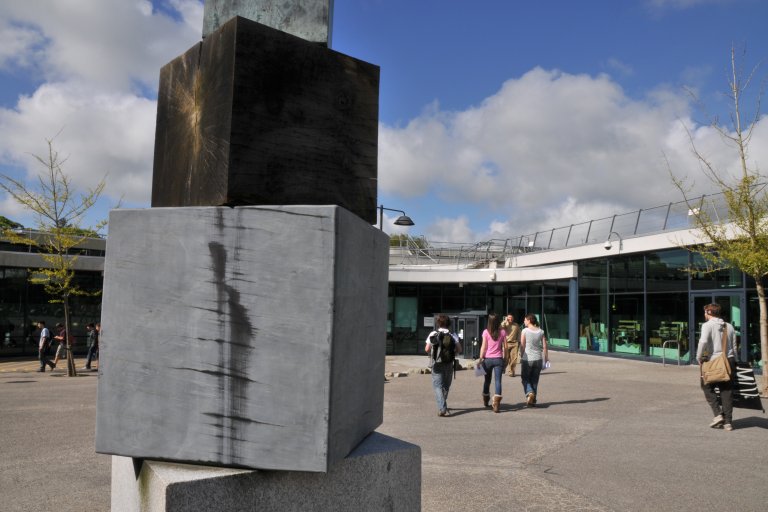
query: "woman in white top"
533, 346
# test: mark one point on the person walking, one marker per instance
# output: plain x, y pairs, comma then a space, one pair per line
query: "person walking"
533, 346
492, 359
61, 337
42, 347
511, 353
93, 344
717, 336
442, 346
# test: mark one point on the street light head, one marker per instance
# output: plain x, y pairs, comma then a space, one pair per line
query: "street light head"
404, 220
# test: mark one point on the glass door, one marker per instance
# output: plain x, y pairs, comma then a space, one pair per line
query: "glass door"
733, 307
467, 329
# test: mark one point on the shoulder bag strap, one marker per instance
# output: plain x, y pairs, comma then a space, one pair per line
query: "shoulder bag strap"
724, 342
724, 349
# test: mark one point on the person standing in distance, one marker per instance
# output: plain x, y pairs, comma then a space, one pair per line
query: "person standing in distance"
93, 344
442, 372
42, 347
711, 346
512, 343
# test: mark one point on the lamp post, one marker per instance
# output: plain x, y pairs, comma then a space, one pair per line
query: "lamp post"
608, 245
402, 220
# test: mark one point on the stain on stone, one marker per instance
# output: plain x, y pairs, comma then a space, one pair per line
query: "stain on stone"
234, 354
228, 375
241, 419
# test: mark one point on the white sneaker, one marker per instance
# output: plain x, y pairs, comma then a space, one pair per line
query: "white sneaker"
728, 427
717, 421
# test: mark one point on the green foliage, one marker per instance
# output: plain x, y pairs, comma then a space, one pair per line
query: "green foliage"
404, 240
58, 211
740, 240
6, 223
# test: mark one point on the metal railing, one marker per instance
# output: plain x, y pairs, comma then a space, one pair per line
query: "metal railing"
658, 219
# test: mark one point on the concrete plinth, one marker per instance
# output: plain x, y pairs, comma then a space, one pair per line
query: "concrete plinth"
247, 337
381, 474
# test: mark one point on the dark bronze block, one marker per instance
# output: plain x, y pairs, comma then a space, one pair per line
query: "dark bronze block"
255, 116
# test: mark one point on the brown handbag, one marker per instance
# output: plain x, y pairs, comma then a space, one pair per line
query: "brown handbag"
718, 369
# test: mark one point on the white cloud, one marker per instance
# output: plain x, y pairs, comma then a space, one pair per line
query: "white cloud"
109, 43
549, 149
620, 67
101, 133
682, 4
20, 46
92, 56
451, 230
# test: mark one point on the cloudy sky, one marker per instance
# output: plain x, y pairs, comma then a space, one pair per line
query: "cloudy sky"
497, 118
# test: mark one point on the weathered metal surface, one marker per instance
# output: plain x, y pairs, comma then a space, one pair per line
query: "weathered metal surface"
309, 19
255, 116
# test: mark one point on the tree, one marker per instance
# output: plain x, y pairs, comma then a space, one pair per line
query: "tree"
6, 223
405, 240
58, 210
741, 240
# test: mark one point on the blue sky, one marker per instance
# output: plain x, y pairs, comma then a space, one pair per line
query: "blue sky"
497, 118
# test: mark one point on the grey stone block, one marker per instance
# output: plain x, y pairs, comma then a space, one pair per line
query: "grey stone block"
381, 474
309, 19
254, 116
245, 337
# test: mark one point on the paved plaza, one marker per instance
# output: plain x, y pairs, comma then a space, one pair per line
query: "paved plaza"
608, 435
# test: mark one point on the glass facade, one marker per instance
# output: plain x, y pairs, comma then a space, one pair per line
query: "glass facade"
22, 304
641, 306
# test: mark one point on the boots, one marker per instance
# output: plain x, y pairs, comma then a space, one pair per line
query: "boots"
496, 402
486, 400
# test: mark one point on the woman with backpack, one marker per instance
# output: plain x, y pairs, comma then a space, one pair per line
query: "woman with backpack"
492, 359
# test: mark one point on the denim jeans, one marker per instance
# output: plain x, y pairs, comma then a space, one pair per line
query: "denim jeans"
442, 376
41, 355
92, 351
530, 375
494, 365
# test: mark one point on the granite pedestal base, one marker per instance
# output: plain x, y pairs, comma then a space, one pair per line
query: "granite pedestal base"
381, 474
248, 337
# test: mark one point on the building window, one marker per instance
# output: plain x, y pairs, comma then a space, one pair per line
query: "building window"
626, 324
667, 271
702, 279
593, 323
554, 321
626, 274
667, 322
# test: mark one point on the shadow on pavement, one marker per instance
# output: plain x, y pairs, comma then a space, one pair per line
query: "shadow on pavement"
546, 405
753, 422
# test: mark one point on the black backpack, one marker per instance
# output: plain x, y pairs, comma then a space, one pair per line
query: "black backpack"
443, 347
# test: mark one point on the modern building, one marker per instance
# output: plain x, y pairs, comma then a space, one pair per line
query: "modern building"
22, 304
622, 286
